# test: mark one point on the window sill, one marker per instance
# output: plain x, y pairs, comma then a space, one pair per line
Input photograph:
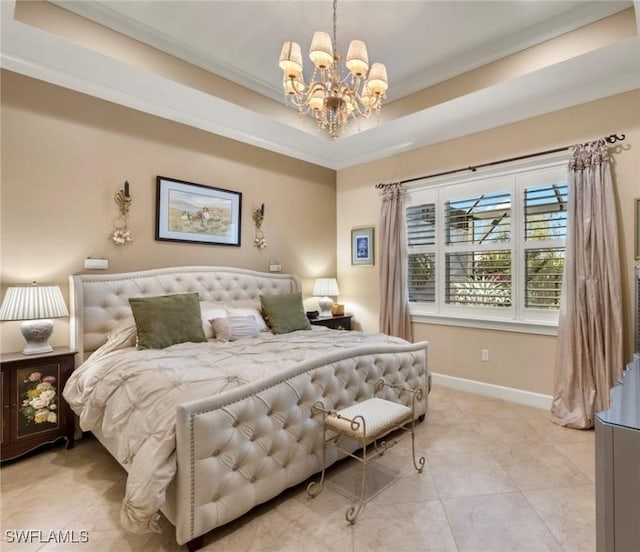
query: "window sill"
540, 328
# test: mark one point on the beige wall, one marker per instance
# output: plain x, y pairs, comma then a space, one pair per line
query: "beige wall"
65, 154
523, 361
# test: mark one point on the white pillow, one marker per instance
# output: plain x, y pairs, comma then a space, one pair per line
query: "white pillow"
231, 328
262, 325
121, 336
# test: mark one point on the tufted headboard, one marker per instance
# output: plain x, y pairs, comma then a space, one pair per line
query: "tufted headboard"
99, 301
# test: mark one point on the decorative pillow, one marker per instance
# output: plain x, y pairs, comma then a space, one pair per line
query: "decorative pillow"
208, 311
284, 313
167, 320
234, 311
234, 327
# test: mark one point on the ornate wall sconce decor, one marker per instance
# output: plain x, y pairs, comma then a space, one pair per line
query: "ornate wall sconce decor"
123, 199
258, 217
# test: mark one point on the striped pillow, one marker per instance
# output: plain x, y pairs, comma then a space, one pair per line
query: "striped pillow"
234, 327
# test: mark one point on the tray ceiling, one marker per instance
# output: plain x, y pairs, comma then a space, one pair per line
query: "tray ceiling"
454, 67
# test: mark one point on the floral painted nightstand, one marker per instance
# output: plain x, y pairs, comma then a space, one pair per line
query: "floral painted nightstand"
33, 410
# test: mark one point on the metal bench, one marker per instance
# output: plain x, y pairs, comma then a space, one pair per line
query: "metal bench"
367, 422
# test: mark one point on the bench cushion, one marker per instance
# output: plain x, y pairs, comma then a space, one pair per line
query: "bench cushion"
380, 417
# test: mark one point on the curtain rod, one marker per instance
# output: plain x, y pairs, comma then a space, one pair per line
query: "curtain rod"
611, 139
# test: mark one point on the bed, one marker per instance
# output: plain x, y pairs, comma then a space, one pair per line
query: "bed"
208, 430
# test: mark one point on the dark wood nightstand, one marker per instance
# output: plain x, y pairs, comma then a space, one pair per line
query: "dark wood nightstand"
33, 410
342, 322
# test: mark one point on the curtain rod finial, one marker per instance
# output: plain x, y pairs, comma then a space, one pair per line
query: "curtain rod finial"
613, 138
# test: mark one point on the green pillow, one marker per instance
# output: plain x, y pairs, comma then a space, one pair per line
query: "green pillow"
284, 313
167, 320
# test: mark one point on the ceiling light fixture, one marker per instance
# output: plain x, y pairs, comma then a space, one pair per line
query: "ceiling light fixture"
330, 97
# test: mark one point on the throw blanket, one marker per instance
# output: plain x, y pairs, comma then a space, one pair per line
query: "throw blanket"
131, 395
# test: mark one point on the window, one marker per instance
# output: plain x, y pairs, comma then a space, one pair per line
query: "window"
490, 247
478, 268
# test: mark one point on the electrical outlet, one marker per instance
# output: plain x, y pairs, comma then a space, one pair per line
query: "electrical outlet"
485, 355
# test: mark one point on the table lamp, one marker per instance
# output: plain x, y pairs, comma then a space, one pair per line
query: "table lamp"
35, 305
323, 288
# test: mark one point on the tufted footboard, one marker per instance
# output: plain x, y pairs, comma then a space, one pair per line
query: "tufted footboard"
243, 447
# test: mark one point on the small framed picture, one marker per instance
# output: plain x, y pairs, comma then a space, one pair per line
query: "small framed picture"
637, 228
362, 246
194, 213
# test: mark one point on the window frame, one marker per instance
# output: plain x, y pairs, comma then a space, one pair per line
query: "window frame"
515, 178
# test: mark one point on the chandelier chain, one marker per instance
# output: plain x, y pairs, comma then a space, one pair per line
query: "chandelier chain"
335, 25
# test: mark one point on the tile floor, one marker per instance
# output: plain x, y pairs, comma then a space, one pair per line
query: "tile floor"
499, 477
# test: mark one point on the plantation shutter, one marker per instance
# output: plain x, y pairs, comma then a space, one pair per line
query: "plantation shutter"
545, 232
421, 241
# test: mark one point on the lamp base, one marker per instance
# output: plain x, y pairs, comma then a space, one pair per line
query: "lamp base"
325, 305
37, 334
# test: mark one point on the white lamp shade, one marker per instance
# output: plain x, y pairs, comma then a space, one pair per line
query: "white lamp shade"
326, 286
33, 302
357, 58
321, 51
316, 101
377, 82
291, 59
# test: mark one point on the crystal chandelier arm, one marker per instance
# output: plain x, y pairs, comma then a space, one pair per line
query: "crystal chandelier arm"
312, 98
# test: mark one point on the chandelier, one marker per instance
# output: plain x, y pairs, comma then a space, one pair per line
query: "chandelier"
331, 97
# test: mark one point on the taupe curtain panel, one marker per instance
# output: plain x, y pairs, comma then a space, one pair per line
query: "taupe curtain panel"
589, 355
395, 318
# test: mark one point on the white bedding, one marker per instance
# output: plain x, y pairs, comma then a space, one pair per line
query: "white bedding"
131, 397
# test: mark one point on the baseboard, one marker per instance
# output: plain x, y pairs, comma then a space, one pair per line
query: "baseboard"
520, 396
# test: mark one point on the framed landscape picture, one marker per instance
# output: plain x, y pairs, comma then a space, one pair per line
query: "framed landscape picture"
362, 246
194, 213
